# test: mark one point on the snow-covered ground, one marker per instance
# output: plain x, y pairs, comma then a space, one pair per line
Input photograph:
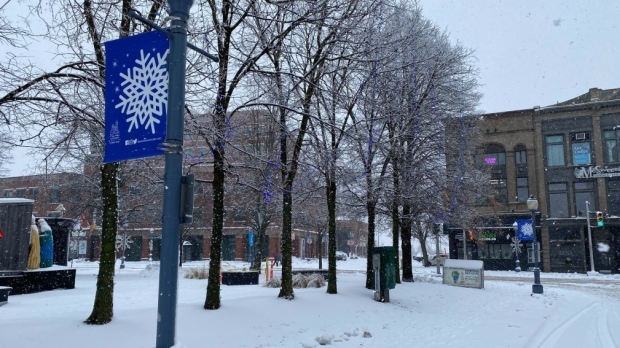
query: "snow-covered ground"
574, 311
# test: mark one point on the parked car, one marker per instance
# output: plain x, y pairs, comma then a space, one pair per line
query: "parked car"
341, 256
432, 259
419, 257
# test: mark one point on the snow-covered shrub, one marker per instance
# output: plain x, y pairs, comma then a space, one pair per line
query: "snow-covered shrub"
273, 283
300, 281
315, 280
197, 273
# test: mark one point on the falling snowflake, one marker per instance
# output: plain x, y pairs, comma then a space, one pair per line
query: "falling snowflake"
145, 95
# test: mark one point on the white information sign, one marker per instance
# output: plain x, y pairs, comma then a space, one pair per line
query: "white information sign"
465, 273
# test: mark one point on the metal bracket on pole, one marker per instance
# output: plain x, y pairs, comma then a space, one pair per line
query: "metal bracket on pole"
134, 14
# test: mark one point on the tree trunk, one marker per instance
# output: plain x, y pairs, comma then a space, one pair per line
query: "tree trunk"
395, 237
286, 290
103, 308
422, 239
406, 244
213, 286
370, 209
332, 287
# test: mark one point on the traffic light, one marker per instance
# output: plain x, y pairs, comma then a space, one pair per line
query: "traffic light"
599, 218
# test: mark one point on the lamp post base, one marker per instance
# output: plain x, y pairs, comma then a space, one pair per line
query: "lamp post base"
518, 266
537, 289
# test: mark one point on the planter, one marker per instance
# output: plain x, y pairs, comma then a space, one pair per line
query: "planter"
239, 278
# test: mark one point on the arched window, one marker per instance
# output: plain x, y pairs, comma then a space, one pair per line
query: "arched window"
521, 173
495, 159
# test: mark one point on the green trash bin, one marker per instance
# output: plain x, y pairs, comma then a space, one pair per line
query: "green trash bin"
383, 260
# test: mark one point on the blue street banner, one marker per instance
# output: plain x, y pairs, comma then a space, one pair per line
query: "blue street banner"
525, 229
251, 238
136, 98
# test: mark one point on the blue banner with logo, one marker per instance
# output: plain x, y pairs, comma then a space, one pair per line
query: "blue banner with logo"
525, 229
136, 98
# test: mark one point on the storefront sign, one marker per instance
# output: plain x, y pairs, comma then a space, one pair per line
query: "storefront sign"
596, 172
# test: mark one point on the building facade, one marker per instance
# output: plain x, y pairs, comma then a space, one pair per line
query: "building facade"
564, 155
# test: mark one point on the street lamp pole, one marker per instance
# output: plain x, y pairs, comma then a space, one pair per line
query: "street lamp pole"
124, 245
516, 243
151, 246
532, 205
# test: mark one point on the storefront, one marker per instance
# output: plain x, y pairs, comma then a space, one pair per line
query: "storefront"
494, 244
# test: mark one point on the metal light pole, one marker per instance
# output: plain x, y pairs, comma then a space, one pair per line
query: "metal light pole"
532, 205
151, 246
171, 221
516, 243
124, 245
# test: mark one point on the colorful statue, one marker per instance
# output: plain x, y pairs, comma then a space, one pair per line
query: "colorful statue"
47, 244
34, 256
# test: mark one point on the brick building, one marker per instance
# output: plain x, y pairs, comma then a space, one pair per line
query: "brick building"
563, 155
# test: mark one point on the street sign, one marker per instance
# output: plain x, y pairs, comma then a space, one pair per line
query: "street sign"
136, 98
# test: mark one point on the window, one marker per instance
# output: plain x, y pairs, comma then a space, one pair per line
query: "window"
21, 193
495, 251
610, 146
558, 200
500, 193
520, 155
522, 190
34, 193
133, 216
584, 191
198, 215
521, 173
580, 146
554, 150
239, 214
494, 158
54, 195
613, 197
8, 193
494, 155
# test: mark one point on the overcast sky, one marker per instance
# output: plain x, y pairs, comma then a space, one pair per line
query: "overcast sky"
535, 52
529, 52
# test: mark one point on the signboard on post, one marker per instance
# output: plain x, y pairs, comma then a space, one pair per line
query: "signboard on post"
136, 98
465, 273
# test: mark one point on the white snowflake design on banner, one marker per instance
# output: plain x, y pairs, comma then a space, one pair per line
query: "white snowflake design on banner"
145, 95
527, 229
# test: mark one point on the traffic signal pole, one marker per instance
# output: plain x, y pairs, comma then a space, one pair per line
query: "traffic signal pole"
590, 236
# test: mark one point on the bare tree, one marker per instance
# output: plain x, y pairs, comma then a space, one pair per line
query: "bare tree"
61, 111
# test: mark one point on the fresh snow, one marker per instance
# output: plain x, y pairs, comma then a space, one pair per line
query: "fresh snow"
574, 311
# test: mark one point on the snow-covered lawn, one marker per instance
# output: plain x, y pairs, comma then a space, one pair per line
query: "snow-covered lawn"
421, 314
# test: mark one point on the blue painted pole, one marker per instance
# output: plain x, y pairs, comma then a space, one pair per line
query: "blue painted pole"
171, 220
